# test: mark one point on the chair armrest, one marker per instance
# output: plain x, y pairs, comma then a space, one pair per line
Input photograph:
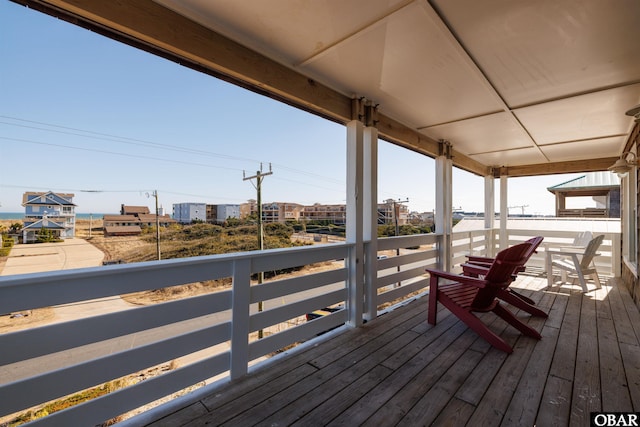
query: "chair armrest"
480, 259
467, 280
474, 269
566, 251
479, 263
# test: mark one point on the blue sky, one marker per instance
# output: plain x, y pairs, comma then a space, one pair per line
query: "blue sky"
84, 114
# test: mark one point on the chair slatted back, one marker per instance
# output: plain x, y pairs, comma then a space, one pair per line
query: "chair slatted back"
583, 238
535, 242
500, 274
590, 251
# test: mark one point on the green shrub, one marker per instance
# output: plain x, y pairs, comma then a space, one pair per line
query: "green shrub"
7, 244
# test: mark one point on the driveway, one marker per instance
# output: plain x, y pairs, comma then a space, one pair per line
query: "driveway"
37, 257
66, 255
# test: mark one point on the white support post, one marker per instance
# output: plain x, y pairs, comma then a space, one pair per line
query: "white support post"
370, 221
240, 297
504, 213
489, 213
444, 208
354, 212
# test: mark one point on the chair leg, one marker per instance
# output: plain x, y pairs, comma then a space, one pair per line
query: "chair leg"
596, 278
516, 300
433, 300
474, 323
482, 330
511, 319
522, 297
549, 269
582, 280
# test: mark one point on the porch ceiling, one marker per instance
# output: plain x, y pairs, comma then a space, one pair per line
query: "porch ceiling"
528, 87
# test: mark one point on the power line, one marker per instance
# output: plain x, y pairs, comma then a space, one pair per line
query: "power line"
121, 139
146, 157
129, 155
141, 142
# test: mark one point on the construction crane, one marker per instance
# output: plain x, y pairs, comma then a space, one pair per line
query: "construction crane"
520, 206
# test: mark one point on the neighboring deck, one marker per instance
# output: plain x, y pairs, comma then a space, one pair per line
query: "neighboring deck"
399, 370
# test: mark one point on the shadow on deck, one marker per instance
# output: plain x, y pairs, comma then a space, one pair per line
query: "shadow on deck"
399, 370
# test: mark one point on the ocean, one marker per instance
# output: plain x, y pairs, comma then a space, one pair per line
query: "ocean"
18, 216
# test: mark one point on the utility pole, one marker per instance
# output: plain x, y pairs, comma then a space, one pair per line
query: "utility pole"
396, 215
155, 194
259, 177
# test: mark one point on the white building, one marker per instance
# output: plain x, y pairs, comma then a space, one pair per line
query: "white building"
186, 213
224, 212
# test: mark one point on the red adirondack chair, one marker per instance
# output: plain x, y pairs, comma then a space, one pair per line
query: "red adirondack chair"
467, 295
478, 266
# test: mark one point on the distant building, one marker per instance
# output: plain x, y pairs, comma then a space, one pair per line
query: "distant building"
48, 210
121, 225
249, 208
602, 187
334, 214
391, 211
281, 211
133, 210
224, 212
212, 213
186, 213
131, 221
420, 217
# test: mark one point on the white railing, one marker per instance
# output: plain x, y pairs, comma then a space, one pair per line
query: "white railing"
46, 363
403, 273
477, 242
222, 324
480, 243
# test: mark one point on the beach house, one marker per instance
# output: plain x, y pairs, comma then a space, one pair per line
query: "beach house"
54, 212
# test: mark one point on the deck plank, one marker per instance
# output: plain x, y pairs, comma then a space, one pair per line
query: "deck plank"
400, 370
625, 316
555, 404
367, 371
379, 396
333, 407
615, 390
586, 397
522, 410
494, 404
564, 361
183, 416
418, 379
436, 399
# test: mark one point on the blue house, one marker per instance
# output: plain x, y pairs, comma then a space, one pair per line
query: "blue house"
48, 210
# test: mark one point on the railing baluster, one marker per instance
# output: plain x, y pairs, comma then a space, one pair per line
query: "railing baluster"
240, 312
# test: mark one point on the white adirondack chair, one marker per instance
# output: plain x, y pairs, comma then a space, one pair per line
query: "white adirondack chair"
582, 239
578, 261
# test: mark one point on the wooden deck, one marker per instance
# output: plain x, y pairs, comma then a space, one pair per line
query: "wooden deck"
398, 370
